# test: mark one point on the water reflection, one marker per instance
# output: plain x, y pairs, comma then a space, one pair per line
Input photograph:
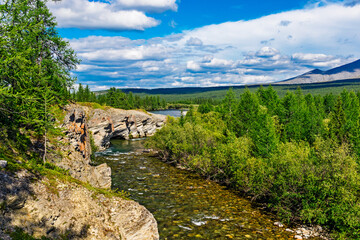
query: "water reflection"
170, 112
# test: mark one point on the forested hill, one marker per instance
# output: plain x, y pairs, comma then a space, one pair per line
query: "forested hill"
189, 94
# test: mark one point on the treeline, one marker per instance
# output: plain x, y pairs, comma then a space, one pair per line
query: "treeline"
118, 99
300, 154
199, 100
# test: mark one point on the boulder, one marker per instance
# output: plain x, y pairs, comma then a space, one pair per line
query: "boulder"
3, 164
54, 209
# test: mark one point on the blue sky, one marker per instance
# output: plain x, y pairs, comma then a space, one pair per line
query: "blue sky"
173, 43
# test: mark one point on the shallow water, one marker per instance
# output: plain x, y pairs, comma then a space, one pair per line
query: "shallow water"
170, 112
185, 205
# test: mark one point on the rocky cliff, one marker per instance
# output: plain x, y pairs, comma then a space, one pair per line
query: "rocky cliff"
76, 150
125, 124
61, 209
69, 209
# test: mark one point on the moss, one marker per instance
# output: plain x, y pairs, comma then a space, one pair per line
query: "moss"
58, 112
93, 105
2, 205
93, 146
19, 234
142, 110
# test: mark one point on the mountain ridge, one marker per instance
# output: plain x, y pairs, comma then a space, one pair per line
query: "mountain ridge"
346, 71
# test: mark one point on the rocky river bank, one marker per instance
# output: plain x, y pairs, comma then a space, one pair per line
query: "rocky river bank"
59, 207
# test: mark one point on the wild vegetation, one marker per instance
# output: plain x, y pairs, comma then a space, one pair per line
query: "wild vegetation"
118, 99
197, 95
35, 72
298, 154
35, 78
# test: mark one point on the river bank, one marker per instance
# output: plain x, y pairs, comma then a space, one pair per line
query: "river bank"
67, 197
185, 205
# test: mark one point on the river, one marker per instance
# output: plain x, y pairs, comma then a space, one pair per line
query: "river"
185, 205
170, 112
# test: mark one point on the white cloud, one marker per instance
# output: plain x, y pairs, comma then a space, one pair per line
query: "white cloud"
194, 42
98, 15
136, 53
193, 66
267, 52
147, 5
317, 60
311, 30
243, 52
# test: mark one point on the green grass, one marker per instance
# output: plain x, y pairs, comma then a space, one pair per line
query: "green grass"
93, 105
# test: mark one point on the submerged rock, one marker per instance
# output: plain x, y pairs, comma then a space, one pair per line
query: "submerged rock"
3, 164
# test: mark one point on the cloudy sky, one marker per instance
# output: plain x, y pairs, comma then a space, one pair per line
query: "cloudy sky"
185, 43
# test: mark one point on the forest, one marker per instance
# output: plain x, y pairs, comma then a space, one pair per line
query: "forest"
298, 155
118, 99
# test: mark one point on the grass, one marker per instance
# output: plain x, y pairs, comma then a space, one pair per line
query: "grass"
93, 105
33, 164
56, 174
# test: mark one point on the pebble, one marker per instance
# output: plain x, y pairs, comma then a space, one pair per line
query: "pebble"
289, 230
279, 224
298, 237
3, 164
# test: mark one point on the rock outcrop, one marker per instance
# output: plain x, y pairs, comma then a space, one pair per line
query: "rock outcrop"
60, 208
57, 209
125, 124
76, 149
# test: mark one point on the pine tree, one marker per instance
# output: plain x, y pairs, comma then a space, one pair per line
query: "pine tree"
35, 65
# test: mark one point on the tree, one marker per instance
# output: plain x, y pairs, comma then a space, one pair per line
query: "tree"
337, 122
35, 64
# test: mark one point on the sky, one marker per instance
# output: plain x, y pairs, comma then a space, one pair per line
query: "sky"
203, 43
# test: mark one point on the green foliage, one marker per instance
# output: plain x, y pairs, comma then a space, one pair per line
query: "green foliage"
118, 99
19, 234
35, 66
298, 153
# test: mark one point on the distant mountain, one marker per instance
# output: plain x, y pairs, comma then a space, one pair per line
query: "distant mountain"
347, 71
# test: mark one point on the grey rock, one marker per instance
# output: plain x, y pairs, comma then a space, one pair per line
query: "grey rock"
125, 124
3, 164
279, 224
71, 209
76, 144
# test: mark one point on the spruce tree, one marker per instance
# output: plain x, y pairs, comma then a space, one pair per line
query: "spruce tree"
35, 64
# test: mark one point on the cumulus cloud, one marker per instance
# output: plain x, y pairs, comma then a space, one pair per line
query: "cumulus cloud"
115, 15
284, 23
194, 42
316, 29
267, 52
147, 5
284, 45
317, 60
137, 53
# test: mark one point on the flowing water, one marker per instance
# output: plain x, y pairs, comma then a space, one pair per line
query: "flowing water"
185, 205
170, 112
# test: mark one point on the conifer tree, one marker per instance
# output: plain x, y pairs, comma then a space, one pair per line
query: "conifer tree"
35, 64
